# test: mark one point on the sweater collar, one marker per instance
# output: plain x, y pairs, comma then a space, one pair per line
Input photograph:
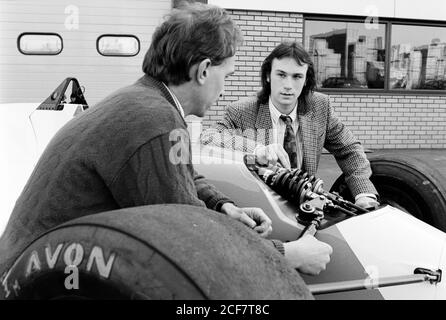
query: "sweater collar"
164, 90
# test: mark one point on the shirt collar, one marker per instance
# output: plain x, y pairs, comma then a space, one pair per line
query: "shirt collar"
175, 99
275, 113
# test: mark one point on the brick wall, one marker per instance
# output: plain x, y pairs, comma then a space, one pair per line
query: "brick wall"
394, 121
379, 121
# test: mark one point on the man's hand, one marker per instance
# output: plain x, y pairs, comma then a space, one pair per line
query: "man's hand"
271, 154
254, 218
308, 254
366, 202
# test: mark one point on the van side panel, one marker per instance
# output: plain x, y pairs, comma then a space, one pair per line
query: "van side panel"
31, 78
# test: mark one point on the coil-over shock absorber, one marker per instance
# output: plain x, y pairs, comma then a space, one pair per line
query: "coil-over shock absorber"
298, 187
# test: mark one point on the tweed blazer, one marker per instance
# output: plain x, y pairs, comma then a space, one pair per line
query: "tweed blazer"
247, 124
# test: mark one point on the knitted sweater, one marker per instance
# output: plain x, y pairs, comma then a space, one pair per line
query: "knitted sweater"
115, 155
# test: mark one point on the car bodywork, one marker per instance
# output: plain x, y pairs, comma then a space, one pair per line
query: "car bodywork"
368, 248
375, 254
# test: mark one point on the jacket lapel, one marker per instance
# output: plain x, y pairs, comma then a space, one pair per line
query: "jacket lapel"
264, 123
308, 131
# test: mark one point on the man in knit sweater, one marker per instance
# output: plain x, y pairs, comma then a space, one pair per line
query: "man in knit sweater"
118, 153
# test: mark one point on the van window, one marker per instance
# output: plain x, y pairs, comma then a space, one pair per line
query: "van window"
40, 43
118, 45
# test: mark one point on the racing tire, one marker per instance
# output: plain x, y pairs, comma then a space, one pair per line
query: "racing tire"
407, 183
152, 252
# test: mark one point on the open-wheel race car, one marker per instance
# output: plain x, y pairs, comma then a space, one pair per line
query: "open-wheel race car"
396, 251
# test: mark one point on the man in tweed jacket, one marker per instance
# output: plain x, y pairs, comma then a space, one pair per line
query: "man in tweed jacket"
288, 82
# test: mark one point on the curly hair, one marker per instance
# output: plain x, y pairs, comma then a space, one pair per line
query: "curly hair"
288, 50
190, 34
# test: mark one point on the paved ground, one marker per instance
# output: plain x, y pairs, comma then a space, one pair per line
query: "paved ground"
328, 170
436, 158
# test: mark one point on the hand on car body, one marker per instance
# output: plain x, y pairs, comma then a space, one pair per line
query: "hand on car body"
367, 202
254, 218
308, 255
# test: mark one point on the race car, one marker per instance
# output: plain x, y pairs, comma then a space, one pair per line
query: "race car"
396, 251
376, 254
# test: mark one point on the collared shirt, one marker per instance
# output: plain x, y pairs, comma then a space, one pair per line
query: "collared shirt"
175, 99
278, 125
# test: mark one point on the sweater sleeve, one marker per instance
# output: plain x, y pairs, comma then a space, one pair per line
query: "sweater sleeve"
153, 175
279, 246
213, 198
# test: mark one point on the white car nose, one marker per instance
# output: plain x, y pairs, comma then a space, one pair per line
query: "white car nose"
24, 134
394, 244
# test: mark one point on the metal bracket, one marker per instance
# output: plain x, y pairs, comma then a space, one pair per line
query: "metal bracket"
54, 101
420, 275
431, 275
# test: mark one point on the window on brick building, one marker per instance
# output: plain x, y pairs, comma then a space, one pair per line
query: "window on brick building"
417, 57
353, 54
347, 54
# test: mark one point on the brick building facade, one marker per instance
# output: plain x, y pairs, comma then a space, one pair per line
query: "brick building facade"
379, 120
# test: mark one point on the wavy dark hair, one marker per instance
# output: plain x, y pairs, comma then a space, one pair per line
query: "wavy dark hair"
190, 34
288, 50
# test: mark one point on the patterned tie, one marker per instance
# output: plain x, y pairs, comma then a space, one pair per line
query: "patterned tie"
290, 143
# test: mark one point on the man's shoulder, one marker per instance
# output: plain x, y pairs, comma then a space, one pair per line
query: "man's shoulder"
318, 98
318, 103
138, 95
144, 107
245, 104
